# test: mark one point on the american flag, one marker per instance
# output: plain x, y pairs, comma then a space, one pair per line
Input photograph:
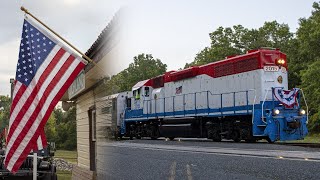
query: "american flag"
179, 90
45, 70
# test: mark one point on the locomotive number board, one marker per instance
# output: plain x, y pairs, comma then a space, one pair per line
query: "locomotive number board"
271, 68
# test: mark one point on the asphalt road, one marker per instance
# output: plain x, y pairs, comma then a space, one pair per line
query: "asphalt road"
194, 159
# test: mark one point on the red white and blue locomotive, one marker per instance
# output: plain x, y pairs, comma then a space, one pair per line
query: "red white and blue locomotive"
242, 97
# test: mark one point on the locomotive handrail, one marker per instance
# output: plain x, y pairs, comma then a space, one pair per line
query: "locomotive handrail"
149, 102
306, 106
254, 102
264, 100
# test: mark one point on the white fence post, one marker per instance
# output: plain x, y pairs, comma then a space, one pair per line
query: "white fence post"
35, 161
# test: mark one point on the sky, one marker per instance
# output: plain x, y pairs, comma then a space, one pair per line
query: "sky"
172, 30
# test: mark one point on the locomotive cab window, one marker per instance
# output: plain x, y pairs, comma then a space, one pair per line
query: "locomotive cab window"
128, 101
146, 91
136, 94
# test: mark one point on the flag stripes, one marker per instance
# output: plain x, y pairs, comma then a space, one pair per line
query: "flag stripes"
37, 100
25, 101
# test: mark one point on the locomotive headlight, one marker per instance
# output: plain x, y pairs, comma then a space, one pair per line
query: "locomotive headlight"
280, 62
302, 112
276, 111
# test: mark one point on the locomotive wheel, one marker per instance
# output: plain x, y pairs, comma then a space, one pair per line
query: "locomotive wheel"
236, 136
155, 134
216, 137
269, 140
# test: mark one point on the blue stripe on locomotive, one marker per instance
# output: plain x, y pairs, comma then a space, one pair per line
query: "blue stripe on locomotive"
275, 127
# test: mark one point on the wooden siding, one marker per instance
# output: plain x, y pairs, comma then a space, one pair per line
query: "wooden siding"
83, 104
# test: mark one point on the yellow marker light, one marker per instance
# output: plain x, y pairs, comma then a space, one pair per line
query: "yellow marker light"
280, 157
281, 61
306, 159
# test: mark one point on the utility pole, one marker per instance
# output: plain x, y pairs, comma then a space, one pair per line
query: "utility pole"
12, 86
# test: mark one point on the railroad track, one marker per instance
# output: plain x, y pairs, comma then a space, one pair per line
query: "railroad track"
310, 145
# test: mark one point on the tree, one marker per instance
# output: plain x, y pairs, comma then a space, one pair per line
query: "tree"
311, 86
144, 67
305, 63
5, 102
237, 40
66, 135
50, 129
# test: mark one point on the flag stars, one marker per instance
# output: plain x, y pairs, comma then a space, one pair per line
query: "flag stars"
38, 33
24, 67
26, 79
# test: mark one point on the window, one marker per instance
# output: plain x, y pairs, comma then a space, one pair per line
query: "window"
136, 94
128, 102
146, 92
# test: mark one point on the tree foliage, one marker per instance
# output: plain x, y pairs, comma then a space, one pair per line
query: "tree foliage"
238, 39
66, 135
311, 86
307, 63
5, 102
144, 67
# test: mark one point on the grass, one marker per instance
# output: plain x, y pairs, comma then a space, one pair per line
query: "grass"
313, 138
70, 156
64, 175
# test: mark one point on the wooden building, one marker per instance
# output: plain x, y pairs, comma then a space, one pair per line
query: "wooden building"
89, 95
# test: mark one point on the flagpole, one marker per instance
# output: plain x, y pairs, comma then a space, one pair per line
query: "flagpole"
83, 55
